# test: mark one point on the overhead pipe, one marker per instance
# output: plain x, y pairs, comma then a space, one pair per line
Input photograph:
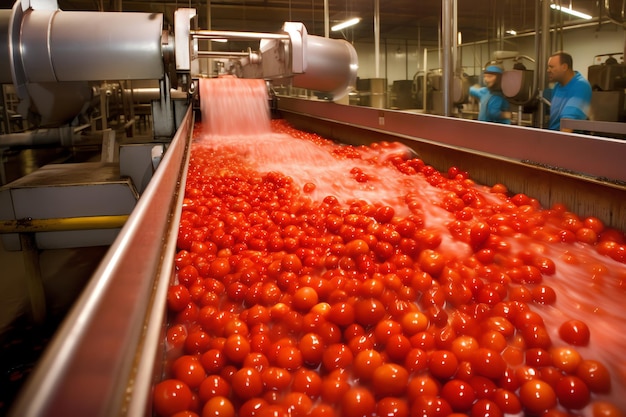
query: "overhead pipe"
542, 58
326, 20
447, 25
377, 36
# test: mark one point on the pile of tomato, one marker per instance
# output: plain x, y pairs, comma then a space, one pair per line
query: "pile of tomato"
288, 306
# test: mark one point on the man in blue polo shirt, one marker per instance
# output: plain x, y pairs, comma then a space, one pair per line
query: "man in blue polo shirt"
571, 96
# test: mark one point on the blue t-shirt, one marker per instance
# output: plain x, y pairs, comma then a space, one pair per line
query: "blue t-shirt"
491, 105
570, 101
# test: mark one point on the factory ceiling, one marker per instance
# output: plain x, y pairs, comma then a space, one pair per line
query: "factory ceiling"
414, 21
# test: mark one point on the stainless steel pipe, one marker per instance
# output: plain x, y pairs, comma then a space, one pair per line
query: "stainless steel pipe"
83, 46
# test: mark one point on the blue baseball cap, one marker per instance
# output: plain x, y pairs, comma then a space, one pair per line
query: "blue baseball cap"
493, 69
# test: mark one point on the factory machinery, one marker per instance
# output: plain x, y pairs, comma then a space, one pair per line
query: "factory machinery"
107, 354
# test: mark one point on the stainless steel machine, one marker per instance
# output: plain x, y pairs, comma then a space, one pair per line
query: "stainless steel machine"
104, 358
60, 62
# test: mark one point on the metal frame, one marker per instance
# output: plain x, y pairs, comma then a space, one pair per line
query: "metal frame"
586, 173
581, 154
102, 359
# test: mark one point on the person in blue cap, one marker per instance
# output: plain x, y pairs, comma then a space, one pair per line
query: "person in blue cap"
571, 95
492, 107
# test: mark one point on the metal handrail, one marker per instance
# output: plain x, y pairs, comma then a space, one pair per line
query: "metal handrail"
101, 360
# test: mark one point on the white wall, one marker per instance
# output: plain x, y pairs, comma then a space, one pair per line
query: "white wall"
400, 61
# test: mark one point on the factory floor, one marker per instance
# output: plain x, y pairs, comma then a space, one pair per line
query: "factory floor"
64, 273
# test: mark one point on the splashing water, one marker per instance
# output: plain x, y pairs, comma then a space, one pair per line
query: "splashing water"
308, 162
236, 117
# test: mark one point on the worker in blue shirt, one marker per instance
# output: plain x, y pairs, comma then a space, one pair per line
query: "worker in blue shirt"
571, 95
492, 106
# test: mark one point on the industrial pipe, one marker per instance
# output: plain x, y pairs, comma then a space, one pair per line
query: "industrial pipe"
84, 46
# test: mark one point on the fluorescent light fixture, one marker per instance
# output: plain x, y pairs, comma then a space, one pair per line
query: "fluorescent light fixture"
219, 40
511, 32
345, 24
571, 12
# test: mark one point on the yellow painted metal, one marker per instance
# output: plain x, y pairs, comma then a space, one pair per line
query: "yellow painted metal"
62, 224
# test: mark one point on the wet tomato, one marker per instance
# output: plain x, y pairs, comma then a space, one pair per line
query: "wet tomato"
171, 396
189, 370
595, 375
575, 332
358, 402
365, 363
213, 386
218, 407
390, 380
572, 392
537, 396
459, 394
392, 407
247, 383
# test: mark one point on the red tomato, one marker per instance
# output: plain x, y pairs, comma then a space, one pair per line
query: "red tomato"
218, 407
390, 380
385, 328
575, 332
595, 375
430, 406
358, 402
422, 385
365, 363
543, 294
341, 313
189, 370
443, 364
171, 396
247, 383
312, 348
178, 297
334, 386
369, 311
213, 386
337, 356
398, 347
213, 360
486, 408
459, 394
275, 378
175, 337
392, 407
236, 348
537, 396
572, 392
566, 359
307, 381
414, 322
197, 342
252, 408
305, 298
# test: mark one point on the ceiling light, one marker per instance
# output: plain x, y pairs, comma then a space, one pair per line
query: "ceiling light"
345, 24
511, 32
571, 12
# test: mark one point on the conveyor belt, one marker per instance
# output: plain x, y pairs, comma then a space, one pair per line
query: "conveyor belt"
103, 359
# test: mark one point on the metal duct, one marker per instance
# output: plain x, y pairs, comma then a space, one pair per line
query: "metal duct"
331, 66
